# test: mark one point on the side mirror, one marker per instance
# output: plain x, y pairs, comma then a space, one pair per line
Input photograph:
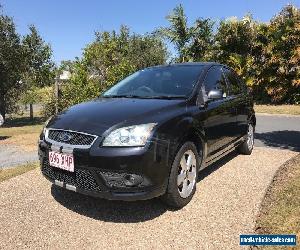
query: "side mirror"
215, 94
1, 120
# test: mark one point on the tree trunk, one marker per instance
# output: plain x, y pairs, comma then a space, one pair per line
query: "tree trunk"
31, 111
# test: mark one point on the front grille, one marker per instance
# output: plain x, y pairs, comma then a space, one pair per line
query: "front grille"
70, 137
81, 178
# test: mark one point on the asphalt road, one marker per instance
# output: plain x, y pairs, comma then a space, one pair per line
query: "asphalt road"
271, 131
11, 156
278, 132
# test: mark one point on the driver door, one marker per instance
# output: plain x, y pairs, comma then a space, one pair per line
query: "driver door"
220, 114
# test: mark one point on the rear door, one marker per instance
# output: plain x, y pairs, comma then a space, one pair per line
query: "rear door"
238, 96
219, 116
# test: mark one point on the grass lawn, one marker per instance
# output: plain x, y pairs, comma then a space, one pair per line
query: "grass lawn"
280, 210
278, 109
21, 132
8, 173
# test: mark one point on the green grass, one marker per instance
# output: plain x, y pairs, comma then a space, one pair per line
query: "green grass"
280, 210
8, 173
22, 132
278, 109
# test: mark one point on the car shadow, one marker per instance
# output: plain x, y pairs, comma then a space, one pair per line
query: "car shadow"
122, 211
4, 137
106, 210
285, 139
23, 121
216, 165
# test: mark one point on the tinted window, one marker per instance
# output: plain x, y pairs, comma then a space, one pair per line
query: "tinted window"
215, 80
178, 80
235, 84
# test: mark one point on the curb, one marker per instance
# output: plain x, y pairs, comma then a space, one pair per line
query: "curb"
280, 115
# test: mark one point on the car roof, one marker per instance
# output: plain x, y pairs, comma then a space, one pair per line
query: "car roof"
207, 64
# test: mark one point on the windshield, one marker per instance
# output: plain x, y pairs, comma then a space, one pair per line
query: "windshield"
158, 82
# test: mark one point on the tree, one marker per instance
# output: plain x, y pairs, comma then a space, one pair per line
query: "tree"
234, 43
114, 55
109, 58
39, 66
11, 65
146, 50
202, 38
278, 68
178, 32
192, 43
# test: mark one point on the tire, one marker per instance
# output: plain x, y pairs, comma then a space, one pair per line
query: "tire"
247, 146
183, 176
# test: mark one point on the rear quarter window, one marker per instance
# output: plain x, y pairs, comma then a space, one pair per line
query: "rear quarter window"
236, 85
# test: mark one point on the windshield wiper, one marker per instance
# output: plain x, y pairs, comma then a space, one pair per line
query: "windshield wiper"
122, 96
147, 97
167, 97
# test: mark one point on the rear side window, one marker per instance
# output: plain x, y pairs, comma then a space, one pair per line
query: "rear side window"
215, 80
235, 84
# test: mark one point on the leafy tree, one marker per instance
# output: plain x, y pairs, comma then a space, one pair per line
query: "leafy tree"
178, 33
147, 50
39, 66
278, 66
105, 61
11, 65
234, 42
202, 38
192, 43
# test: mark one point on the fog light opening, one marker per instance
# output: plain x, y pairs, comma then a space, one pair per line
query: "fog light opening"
132, 180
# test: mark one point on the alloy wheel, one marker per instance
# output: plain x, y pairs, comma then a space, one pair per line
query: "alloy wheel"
186, 178
250, 138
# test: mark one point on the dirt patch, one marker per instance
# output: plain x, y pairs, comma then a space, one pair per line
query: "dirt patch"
280, 209
8, 173
26, 142
278, 109
23, 137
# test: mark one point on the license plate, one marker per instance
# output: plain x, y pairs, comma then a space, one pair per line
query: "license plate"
62, 161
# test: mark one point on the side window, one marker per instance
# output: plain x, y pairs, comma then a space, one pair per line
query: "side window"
234, 82
215, 80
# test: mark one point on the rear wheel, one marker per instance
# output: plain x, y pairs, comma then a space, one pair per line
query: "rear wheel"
183, 176
247, 146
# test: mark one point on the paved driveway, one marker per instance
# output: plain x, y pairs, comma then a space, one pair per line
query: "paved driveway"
35, 214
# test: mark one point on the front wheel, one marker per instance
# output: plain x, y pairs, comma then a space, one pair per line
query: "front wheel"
247, 146
183, 176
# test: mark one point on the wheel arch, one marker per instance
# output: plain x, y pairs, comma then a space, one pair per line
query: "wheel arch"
252, 119
193, 133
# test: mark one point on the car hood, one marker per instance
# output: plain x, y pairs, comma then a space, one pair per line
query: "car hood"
98, 115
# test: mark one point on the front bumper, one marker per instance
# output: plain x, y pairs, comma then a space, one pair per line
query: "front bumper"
112, 173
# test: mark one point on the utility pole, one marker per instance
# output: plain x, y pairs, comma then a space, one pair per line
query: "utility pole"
64, 77
56, 90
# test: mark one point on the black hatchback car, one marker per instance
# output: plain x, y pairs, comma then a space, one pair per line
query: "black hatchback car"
150, 134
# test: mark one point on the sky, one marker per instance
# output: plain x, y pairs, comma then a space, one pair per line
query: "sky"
69, 25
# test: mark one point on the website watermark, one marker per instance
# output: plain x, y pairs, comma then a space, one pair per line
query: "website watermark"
268, 239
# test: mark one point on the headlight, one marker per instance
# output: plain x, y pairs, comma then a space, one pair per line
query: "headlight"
45, 125
129, 136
